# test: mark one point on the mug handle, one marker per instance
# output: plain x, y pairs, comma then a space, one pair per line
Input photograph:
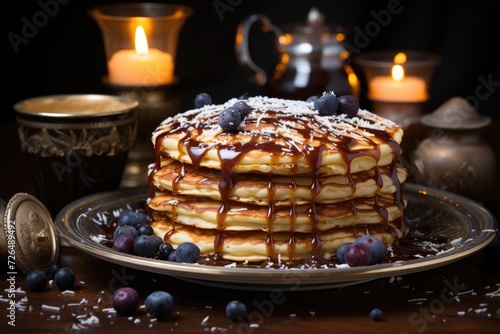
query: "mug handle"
242, 49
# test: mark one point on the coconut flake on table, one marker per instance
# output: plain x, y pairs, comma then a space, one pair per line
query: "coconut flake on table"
46, 307
19, 305
92, 320
494, 293
480, 310
395, 278
18, 291
82, 302
108, 310
417, 300
465, 292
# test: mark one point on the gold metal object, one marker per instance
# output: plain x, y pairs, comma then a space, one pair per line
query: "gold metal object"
28, 236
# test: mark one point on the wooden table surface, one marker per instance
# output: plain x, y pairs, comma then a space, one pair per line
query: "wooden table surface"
462, 297
459, 298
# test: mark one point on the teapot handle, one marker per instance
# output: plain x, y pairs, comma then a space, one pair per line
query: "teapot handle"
242, 49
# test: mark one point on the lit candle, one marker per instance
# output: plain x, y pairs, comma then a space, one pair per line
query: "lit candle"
142, 66
398, 87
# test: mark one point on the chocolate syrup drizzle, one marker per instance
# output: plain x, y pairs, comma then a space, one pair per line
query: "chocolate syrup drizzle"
230, 155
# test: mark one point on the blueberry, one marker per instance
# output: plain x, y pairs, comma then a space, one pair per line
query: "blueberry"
146, 245
145, 229
157, 240
348, 105
312, 98
187, 252
125, 229
326, 104
341, 251
125, 244
64, 278
53, 269
172, 257
376, 314
377, 247
236, 311
229, 119
243, 108
36, 280
202, 99
358, 254
165, 249
133, 218
159, 304
125, 300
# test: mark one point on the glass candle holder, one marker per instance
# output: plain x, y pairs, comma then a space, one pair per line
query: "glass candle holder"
398, 82
140, 41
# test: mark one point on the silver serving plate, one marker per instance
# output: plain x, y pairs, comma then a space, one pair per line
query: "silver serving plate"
466, 225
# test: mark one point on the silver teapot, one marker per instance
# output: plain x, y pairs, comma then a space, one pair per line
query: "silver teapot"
311, 58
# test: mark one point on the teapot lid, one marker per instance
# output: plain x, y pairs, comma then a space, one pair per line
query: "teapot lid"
456, 114
313, 37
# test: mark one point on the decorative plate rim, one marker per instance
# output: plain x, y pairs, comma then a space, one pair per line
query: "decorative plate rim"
481, 222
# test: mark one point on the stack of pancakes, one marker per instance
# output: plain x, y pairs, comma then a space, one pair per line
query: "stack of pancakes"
289, 183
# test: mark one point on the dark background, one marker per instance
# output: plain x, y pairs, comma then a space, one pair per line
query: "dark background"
67, 55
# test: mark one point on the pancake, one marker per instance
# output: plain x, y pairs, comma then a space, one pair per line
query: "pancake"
206, 214
256, 246
287, 183
282, 137
184, 179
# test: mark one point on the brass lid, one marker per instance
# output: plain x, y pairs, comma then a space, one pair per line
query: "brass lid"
30, 234
72, 106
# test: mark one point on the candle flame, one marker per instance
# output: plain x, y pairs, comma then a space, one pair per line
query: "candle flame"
398, 73
141, 42
400, 58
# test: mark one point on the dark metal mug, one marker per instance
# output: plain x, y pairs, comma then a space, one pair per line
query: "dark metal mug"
77, 145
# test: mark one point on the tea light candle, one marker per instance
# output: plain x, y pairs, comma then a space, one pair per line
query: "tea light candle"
398, 87
142, 66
